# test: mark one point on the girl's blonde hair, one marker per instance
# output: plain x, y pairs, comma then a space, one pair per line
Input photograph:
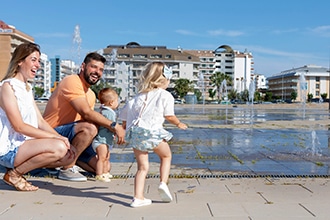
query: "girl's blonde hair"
21, 52
152, 77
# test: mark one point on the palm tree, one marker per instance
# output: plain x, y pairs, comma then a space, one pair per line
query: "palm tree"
217, 79
182, 87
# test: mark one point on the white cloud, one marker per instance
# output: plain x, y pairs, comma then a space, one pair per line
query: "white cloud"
270, 51
285, 31
185, 32
229, 33
322, 30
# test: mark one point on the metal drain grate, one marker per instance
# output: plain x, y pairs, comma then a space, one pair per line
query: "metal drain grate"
201, 176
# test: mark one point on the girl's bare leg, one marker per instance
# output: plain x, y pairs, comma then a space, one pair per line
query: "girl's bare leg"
165, 155
141, 173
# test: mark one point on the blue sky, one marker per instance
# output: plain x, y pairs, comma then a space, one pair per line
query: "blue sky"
280, 34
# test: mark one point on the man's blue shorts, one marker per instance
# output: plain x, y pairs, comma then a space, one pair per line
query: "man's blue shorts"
67, 130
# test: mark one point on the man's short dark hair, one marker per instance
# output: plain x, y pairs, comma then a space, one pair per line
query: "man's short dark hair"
94, 56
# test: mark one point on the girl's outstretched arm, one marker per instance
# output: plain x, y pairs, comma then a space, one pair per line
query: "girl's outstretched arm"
175, 121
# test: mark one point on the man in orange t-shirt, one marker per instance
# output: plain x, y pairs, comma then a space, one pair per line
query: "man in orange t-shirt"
70, 110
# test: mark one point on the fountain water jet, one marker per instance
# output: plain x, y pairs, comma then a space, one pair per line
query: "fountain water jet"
223, 89
303, 89
201, 84
76, 44
315, 149
251, 96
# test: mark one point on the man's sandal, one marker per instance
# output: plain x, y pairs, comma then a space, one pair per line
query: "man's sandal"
20, 183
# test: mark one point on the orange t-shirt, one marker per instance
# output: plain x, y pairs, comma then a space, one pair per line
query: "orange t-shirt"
59, 110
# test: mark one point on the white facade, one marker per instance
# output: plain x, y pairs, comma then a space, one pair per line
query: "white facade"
126, 62
261, 81
68, 67
43, 76
243, 71
308, 79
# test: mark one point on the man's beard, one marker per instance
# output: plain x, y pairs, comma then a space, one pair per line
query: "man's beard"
88, 80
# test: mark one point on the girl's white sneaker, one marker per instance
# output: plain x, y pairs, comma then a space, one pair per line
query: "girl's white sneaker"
140, 202
164, 192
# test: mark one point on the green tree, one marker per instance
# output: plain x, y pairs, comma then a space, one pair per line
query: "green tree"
217, 79
212, 93
268, 96
293, 95
324, 96
198, 94
102, 84
309, 97
256, 96
118, 90
232, 94
182, 87
38, 92
245, 95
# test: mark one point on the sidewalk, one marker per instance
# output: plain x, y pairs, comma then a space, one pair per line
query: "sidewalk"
194, 198
247, 180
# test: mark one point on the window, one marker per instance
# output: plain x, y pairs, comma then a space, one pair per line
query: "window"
140, 56
123, 55
155, 56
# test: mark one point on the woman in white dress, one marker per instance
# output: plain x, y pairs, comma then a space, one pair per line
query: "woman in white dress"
28, 142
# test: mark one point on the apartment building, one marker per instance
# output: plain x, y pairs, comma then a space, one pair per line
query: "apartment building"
126, 62
308, 79
60, 69
260, 82
10, 38
237, 65
243, 70
43, 76
206, 69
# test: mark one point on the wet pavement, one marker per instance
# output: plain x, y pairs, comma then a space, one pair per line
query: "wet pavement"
245, 140
232, 163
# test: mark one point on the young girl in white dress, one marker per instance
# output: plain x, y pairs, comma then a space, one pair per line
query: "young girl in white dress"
143, 118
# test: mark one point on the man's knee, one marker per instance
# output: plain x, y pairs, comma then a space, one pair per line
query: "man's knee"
86, 129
